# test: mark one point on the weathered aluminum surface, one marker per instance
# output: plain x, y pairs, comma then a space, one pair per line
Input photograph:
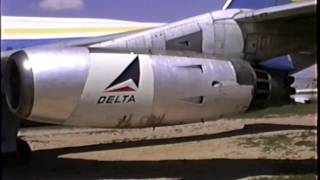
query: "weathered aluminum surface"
276, 38
193, 89
59, 77
226, 14
212, 33
101, 89
172, 90
286, 11
252, 35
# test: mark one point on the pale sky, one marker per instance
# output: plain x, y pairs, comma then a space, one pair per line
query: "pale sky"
137, 10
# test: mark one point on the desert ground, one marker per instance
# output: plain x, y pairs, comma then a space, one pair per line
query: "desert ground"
278, 143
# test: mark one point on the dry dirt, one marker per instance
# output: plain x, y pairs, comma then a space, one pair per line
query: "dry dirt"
222, 149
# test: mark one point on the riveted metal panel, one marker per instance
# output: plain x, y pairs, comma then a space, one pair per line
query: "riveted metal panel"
219, 36
137, 43
158, 40
185, 95
189, 42
228, 39
206, 25
182, 37
182, 29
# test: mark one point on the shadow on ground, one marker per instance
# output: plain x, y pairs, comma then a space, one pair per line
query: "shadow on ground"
47, 165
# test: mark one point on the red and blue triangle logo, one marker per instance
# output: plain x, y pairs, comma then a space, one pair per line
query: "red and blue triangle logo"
130, 73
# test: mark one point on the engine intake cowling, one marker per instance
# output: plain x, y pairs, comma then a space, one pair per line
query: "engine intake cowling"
36, 81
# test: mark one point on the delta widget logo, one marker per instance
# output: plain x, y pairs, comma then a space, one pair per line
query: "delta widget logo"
127, 81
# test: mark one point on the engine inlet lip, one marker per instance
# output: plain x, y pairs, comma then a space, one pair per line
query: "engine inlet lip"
19, 85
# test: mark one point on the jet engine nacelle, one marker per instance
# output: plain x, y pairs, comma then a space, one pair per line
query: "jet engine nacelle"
92, 87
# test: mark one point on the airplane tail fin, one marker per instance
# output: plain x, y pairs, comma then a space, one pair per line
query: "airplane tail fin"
255, 4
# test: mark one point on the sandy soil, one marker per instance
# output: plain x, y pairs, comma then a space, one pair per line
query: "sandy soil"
223, 149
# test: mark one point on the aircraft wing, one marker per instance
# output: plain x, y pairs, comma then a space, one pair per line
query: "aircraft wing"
288, 11
74, 43
302, 17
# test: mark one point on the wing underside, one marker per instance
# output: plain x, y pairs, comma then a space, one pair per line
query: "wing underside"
279, 13
287, 28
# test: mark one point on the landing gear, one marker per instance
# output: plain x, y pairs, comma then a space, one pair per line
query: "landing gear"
22, 156
13, 149
23, 153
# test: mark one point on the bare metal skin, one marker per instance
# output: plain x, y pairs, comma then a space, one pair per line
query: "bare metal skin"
168, 90
197, 69
225, 33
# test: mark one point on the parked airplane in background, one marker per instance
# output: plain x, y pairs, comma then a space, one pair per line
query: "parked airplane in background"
306, 86
147, 74
305, 95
